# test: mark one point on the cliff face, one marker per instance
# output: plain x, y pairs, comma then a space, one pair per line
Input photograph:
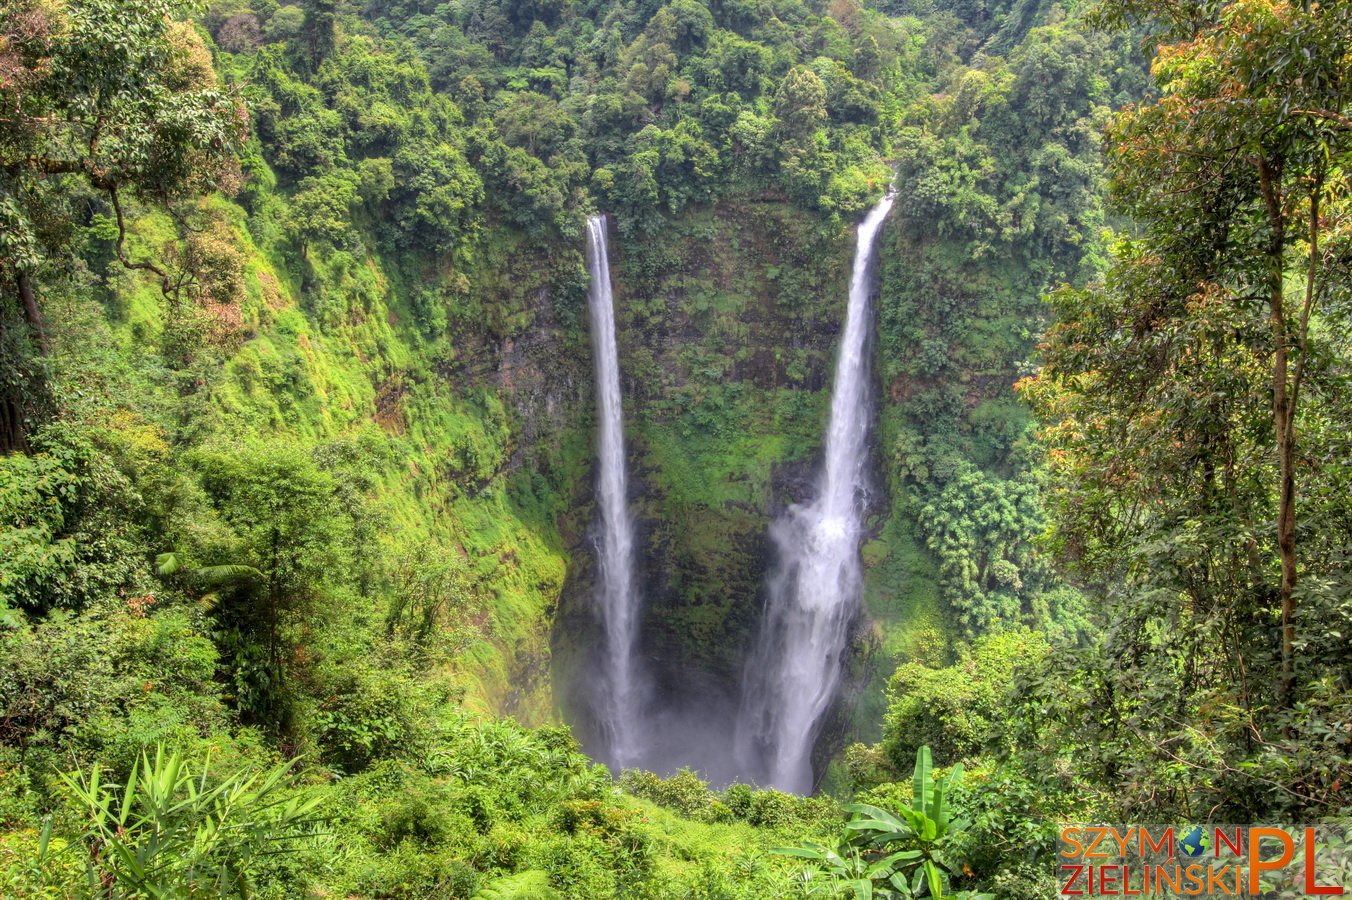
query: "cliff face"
467, 390
729, 319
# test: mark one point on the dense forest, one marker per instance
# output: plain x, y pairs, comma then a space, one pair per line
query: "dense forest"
298, 436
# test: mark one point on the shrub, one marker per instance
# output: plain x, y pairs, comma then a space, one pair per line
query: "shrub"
423, 815
367, 716
954, 708
169, 831
410, 872
684, 792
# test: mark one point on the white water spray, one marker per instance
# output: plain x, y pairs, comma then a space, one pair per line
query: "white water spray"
794, 671
617, 595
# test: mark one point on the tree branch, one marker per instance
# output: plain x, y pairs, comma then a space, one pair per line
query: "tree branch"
166, 283
1327, 115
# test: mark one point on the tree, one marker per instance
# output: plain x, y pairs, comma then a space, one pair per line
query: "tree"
318, 32
1188, 399
1237, 173
119, 96
429, 592
436, 196
980, 529
321, 210
535, 123
800, 103
684, 24
280, 521
34, 545
739, 65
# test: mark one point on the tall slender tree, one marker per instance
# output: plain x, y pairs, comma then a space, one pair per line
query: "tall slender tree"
1236, 172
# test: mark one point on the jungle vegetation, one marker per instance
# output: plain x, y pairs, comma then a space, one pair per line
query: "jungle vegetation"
295, 441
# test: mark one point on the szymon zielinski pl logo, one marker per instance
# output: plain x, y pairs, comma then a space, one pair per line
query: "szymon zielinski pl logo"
1204, 860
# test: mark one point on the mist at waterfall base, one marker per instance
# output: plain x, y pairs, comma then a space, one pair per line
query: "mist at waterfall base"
765, 733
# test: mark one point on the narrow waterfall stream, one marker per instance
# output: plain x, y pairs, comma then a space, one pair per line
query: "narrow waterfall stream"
618, 694
794, 671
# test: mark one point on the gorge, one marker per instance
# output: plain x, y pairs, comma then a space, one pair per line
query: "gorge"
379, 521
792, 672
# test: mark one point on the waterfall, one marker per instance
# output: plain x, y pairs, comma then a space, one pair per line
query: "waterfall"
618, 695
794, 671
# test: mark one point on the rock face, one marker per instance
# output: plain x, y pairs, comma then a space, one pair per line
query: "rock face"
728, 322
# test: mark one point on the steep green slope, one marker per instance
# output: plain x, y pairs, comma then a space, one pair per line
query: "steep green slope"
397, 292
435, 427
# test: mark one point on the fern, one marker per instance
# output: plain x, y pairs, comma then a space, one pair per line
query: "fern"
529, 885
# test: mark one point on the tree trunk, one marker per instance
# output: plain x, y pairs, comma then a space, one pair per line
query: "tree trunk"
31, 314
1282, 413
13, 434
1286, 519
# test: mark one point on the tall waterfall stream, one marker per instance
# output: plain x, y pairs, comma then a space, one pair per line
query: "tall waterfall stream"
793, 673
618, 597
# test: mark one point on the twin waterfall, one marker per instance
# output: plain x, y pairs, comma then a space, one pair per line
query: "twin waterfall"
616, 587
794, 672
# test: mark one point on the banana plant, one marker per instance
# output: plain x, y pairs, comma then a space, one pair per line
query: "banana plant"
928, 819
862, 864
849, 870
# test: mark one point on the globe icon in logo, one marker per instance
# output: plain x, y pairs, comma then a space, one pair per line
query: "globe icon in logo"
1194, 842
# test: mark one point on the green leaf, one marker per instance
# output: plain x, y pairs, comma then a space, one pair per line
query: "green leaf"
935, 880
225, 574
799, 852
941, 792
920, 780
167, 563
